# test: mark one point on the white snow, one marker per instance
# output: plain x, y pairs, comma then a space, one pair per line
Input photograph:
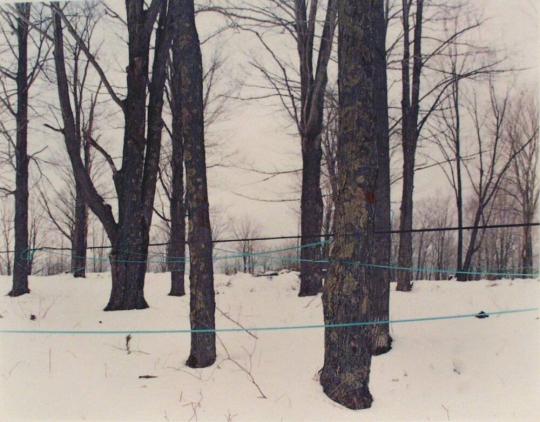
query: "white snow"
469, 369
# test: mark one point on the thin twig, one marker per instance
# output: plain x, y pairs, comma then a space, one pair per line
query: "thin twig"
237, 323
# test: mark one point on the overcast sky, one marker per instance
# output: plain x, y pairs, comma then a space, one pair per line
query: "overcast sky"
257, 134
264, 139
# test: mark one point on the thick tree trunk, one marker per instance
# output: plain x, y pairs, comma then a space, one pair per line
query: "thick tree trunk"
201, 276
346, 294
383, 219
21, 256
129, 253
311, 208
128, 267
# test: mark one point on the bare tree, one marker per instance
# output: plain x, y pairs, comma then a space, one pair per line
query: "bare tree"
521, 181
84, 19
244, 229
499, 248
410, 108
300, 89
202, 298
171, 170
135, 182
177, 240
491, 166
20, 21
418, 105
462, 61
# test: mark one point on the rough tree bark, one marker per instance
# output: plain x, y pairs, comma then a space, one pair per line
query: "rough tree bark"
135, 182
410, 106
177, 241
201, 274
346, 294
20, 259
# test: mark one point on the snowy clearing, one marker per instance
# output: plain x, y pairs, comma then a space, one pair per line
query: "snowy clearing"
469, 369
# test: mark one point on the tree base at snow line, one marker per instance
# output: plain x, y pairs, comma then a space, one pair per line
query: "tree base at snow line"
312, 288
203, 350
138, 304
310, 283
404, 287
177, 283
350, 397
194, 362
79, 275
125, 298
310, 273
462, 277
382, 343
127, 291
346, 384
18, 292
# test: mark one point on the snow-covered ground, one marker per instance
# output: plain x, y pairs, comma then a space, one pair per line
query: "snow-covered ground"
465, 369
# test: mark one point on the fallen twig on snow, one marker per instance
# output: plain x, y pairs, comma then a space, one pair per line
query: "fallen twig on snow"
247, 371
237, 323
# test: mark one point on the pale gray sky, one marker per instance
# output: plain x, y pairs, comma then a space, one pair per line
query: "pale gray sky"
259, 135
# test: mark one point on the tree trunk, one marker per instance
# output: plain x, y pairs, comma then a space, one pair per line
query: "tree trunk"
471, 249
406, 221
346, 294
312, 87
21, 256
410, 109
311, 209
382, 342
202, 300
78, 248
177, 241
527, 247
80, 230
128, 267
459, 187
129, 253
